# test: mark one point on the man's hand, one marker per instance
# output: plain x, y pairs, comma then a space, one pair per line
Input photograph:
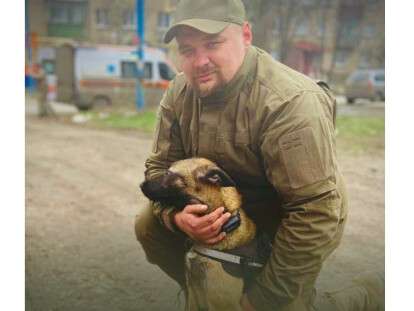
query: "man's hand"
199, 227
245, 304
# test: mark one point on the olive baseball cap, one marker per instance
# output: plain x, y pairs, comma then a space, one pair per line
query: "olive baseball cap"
209, 16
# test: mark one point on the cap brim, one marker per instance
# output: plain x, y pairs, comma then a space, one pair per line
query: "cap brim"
204, 25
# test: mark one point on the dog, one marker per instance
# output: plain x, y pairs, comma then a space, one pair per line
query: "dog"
216, 275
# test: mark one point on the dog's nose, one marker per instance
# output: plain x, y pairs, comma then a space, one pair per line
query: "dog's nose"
145, 188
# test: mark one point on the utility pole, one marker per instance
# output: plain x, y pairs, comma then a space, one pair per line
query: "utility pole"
27, 29
140, 9
28, 46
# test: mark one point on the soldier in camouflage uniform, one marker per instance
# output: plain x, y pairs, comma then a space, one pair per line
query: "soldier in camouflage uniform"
272, 130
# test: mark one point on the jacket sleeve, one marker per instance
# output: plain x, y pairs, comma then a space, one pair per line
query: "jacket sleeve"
166, 149
298, 151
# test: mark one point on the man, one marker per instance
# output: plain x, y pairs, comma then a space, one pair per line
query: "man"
42, 104
268, 126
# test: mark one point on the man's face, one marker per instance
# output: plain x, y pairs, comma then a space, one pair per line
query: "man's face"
211, 61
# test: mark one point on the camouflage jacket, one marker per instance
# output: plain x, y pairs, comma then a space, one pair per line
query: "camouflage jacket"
273, 130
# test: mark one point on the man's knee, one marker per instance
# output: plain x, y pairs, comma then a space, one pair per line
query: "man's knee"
145, 225
153, 236
161, 246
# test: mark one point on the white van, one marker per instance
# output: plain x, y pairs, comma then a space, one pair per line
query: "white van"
107, 75
103, 75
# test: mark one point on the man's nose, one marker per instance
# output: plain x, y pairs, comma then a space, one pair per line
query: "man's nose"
201, 59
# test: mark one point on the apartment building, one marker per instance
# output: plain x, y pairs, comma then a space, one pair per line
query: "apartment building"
56, 27
325, 39
312, 40
98, 21
360, 40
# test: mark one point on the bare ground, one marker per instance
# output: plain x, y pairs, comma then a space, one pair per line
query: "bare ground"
81, 200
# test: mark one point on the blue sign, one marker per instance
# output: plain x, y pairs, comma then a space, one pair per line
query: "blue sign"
110, 68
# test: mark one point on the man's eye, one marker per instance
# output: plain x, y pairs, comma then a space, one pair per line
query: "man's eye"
211, 45
186, 52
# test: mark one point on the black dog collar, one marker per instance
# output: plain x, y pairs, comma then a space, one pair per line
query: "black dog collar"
232, 224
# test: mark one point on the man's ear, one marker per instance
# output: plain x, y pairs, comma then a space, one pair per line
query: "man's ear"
247, 34
217, 176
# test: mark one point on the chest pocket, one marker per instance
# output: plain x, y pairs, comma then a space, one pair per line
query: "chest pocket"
236, 154
228, 142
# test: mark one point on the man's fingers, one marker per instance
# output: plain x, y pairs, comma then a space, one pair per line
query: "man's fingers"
196, 208
204, 221
209, 219
213, 229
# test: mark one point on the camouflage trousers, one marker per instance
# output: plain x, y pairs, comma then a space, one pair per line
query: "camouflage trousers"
167, 250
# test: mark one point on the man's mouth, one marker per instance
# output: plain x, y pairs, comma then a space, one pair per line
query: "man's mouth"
205, 77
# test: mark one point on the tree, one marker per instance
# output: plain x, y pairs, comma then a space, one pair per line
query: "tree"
277, 20
349, 22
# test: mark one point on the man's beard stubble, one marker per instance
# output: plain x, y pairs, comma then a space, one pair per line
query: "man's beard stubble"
209, 87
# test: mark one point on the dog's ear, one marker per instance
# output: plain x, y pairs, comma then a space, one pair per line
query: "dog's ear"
218, 177
151, 188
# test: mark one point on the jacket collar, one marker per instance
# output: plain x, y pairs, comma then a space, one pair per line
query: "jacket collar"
235, 86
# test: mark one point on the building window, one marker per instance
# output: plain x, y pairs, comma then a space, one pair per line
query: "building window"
76, 15
66, 13
368, 31
102, 18
359, 77
364, 61
341, 58
325, 3
308, 3
58, 14
128, 19
321, 26
277, 27
302, 28
349, 33
351, 2
164, 20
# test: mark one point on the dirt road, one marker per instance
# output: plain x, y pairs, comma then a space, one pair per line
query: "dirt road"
81, 199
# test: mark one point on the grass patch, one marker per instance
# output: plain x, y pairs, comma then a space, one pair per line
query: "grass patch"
144, 121
360, 133
354, 133
360, 126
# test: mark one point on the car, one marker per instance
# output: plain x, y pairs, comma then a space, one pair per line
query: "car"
367, 84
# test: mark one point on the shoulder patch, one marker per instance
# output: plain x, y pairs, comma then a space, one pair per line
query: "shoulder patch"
301, 158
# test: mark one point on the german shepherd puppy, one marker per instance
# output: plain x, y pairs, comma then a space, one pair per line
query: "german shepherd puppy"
198, 180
